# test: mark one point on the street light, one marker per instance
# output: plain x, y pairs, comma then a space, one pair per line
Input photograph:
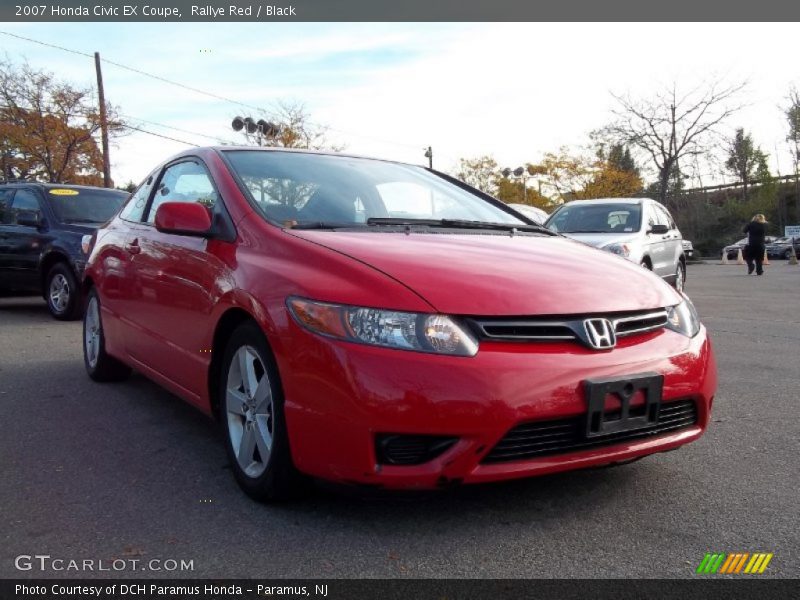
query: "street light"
261, 128
519, 173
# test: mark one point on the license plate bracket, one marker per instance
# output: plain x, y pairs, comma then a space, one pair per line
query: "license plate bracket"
624, 388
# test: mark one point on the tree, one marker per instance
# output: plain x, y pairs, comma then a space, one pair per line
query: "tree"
480, 172
47, 128
793, 118
745, 160
579, 177
671, 126
619, 158
295, 130
516, 191
616, 174
564, 173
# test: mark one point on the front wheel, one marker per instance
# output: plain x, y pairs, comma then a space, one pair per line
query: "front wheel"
251, 412
680, 277
62, 294
100, 365
788, 254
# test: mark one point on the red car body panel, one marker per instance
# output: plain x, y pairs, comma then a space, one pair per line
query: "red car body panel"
163, 295
483, 275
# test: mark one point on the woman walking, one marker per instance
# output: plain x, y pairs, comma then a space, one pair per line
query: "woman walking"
755, 230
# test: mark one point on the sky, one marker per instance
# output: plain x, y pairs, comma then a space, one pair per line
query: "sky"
510, 90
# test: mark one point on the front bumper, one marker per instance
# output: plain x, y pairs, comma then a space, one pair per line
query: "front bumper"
340, 395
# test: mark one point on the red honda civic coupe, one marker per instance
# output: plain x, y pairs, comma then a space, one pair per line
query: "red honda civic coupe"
377, 323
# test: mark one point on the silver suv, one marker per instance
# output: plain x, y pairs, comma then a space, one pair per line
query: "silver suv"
639, 229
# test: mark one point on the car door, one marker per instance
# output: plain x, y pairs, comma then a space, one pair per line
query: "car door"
5, 219
21, 243
117, 284
177, 281
672, 242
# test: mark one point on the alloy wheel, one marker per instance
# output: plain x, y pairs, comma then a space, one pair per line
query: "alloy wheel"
250, 411
59, 293
92, 331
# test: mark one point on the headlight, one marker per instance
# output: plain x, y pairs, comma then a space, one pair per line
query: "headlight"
620, 249
683, 318
436, 334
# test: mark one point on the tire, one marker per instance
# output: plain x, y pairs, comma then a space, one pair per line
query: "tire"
100, 365
680, 277
252, 418
646, 265
62, 293
788, 254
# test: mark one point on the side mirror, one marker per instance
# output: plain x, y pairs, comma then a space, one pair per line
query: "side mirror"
659, 229
29, 218
184, 218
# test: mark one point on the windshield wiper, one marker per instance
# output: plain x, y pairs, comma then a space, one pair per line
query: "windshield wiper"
459, 224
325, 225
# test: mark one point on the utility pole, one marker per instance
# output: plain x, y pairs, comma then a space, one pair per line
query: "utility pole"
429, 156
103, 122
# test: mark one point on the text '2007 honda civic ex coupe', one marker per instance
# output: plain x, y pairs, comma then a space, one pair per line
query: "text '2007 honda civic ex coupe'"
378, 323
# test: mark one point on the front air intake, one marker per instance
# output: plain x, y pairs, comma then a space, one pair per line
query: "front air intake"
407, 450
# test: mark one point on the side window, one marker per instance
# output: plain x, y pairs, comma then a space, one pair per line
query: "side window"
5, 206
653, 218
666, 218
134, 209
23, 200
183, 182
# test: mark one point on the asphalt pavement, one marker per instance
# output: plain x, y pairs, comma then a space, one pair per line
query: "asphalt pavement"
129, 472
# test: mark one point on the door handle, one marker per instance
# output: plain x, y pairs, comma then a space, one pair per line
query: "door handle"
133, 247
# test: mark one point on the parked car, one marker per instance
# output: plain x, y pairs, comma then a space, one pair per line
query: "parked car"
732, 251
688, 248
782, 248
41, 226
375, 323
537, 215
638, 229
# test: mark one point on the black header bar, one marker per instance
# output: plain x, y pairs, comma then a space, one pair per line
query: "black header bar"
397, 10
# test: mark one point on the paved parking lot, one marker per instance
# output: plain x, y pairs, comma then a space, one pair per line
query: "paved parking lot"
92, 471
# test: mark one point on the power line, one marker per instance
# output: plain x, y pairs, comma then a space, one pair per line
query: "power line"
125, 125
134, 70
166, 137
203, 135
197, 90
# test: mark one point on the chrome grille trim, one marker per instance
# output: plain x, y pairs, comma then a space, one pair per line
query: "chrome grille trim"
647, 322
567, 329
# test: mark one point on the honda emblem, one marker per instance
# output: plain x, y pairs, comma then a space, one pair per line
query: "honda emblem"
600, 334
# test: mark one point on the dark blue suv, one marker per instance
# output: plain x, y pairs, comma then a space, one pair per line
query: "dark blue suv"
41, 226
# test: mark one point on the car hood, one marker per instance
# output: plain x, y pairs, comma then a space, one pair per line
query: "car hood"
598, 240
475, 274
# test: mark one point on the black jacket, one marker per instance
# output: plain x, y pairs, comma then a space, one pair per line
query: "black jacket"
755, 233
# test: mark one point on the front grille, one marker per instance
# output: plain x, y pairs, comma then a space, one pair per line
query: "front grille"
528, 329
543, 438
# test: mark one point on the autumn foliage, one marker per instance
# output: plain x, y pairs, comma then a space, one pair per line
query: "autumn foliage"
48, 128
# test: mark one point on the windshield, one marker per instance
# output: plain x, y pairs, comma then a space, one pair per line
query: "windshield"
596, 218
317, 188
81, 205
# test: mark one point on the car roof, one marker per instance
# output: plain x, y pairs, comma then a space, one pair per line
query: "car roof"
202, 150
609, 201
68, 186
